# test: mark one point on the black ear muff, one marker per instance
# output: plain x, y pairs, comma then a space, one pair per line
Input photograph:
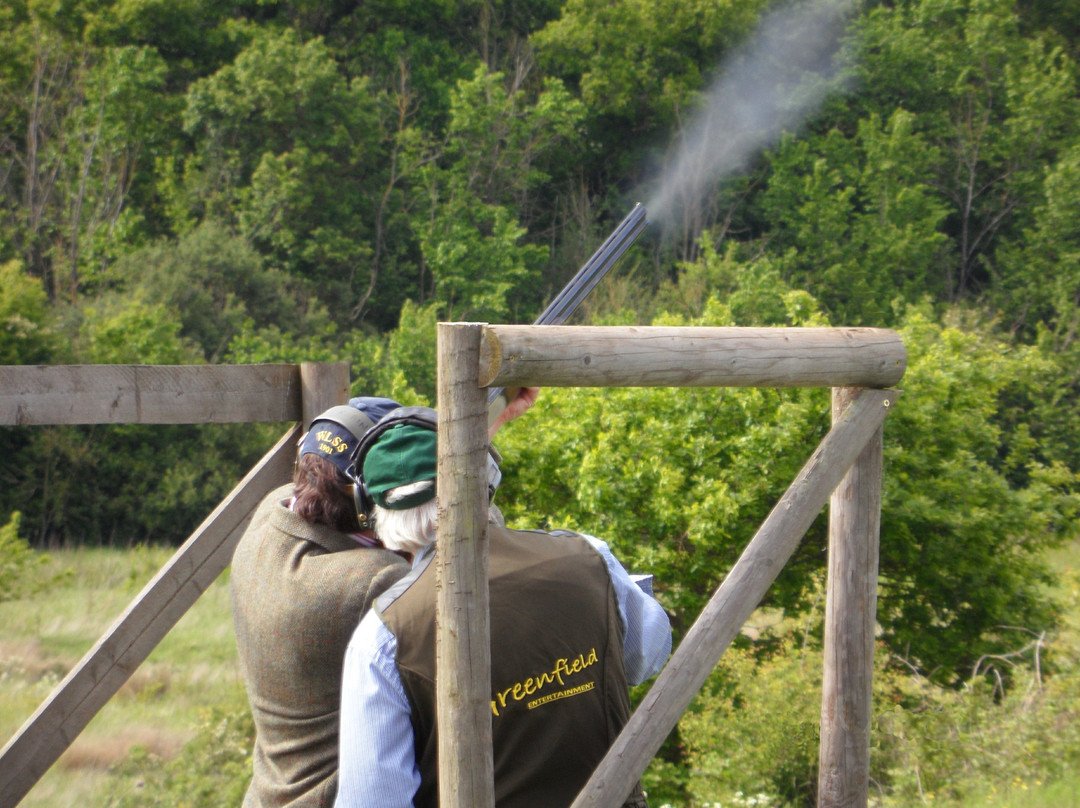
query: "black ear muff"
363, 503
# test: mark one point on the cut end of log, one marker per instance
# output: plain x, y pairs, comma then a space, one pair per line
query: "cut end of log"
490, 357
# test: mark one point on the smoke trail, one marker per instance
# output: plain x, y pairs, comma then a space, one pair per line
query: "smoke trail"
768, 86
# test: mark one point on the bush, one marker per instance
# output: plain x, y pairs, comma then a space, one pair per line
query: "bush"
212, 770
20, 565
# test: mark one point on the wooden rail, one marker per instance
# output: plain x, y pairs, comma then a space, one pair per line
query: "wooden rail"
37, 394
620, 356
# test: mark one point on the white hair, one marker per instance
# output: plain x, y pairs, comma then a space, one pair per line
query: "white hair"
412, 529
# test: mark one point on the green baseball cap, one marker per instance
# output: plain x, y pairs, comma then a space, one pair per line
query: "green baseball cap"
404, 454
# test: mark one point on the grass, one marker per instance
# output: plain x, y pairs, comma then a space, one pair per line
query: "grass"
44, 635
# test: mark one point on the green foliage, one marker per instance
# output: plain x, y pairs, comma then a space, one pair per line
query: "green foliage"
857, 222
285, 149
637, 65
217, 286
996, 100
501, 147
1041, 273
25, 335
213, 769
411, 354
18, 562
118, 331
956, 743
961, 535
753, 729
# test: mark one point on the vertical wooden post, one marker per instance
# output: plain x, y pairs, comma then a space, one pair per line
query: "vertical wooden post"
850, 612
323, 385
462, 628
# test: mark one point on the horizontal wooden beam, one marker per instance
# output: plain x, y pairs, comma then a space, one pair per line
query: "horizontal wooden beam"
35, 395
149, 617
630, 356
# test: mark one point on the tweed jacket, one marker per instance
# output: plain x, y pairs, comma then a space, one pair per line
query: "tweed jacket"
298, 592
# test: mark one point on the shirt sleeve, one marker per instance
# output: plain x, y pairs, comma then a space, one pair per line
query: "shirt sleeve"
647, 640
377, 757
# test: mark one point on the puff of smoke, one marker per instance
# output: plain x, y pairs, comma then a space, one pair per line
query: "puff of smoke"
768, 86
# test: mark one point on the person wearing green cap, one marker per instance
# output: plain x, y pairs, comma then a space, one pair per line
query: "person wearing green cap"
570, 631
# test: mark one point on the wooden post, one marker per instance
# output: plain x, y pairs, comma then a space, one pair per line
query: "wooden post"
733, 602
324, 385
163, 601
850, 620
462, 630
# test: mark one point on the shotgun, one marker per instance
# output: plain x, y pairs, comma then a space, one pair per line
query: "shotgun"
569, 298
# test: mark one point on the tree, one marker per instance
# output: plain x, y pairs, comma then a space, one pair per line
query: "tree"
217, 285
77, 122
501, 150
854, 220
286, 151
25, 335
995, 101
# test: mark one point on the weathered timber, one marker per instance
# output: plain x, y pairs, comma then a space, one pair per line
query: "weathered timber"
462, 633
131, 638
35, 395
630, 356
734, 601
850, 619
324, 385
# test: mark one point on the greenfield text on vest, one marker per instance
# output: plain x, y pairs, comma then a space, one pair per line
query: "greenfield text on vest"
534, 684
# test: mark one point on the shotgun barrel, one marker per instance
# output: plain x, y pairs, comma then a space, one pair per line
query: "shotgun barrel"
570, 296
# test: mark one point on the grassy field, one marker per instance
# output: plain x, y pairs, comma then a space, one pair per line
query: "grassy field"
194, 671
42, 637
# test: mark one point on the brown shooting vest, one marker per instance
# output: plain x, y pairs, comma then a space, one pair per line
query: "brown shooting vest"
559, 691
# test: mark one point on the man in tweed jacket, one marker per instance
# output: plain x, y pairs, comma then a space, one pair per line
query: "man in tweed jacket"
299, 588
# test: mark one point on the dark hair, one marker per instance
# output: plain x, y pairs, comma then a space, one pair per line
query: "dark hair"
324, 495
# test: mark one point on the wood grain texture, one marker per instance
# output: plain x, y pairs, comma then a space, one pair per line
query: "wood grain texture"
462, 627
630, 356
324, 385
35, 395
850, 621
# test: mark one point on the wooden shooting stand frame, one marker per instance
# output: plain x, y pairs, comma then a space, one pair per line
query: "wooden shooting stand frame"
858, 363
855, 362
